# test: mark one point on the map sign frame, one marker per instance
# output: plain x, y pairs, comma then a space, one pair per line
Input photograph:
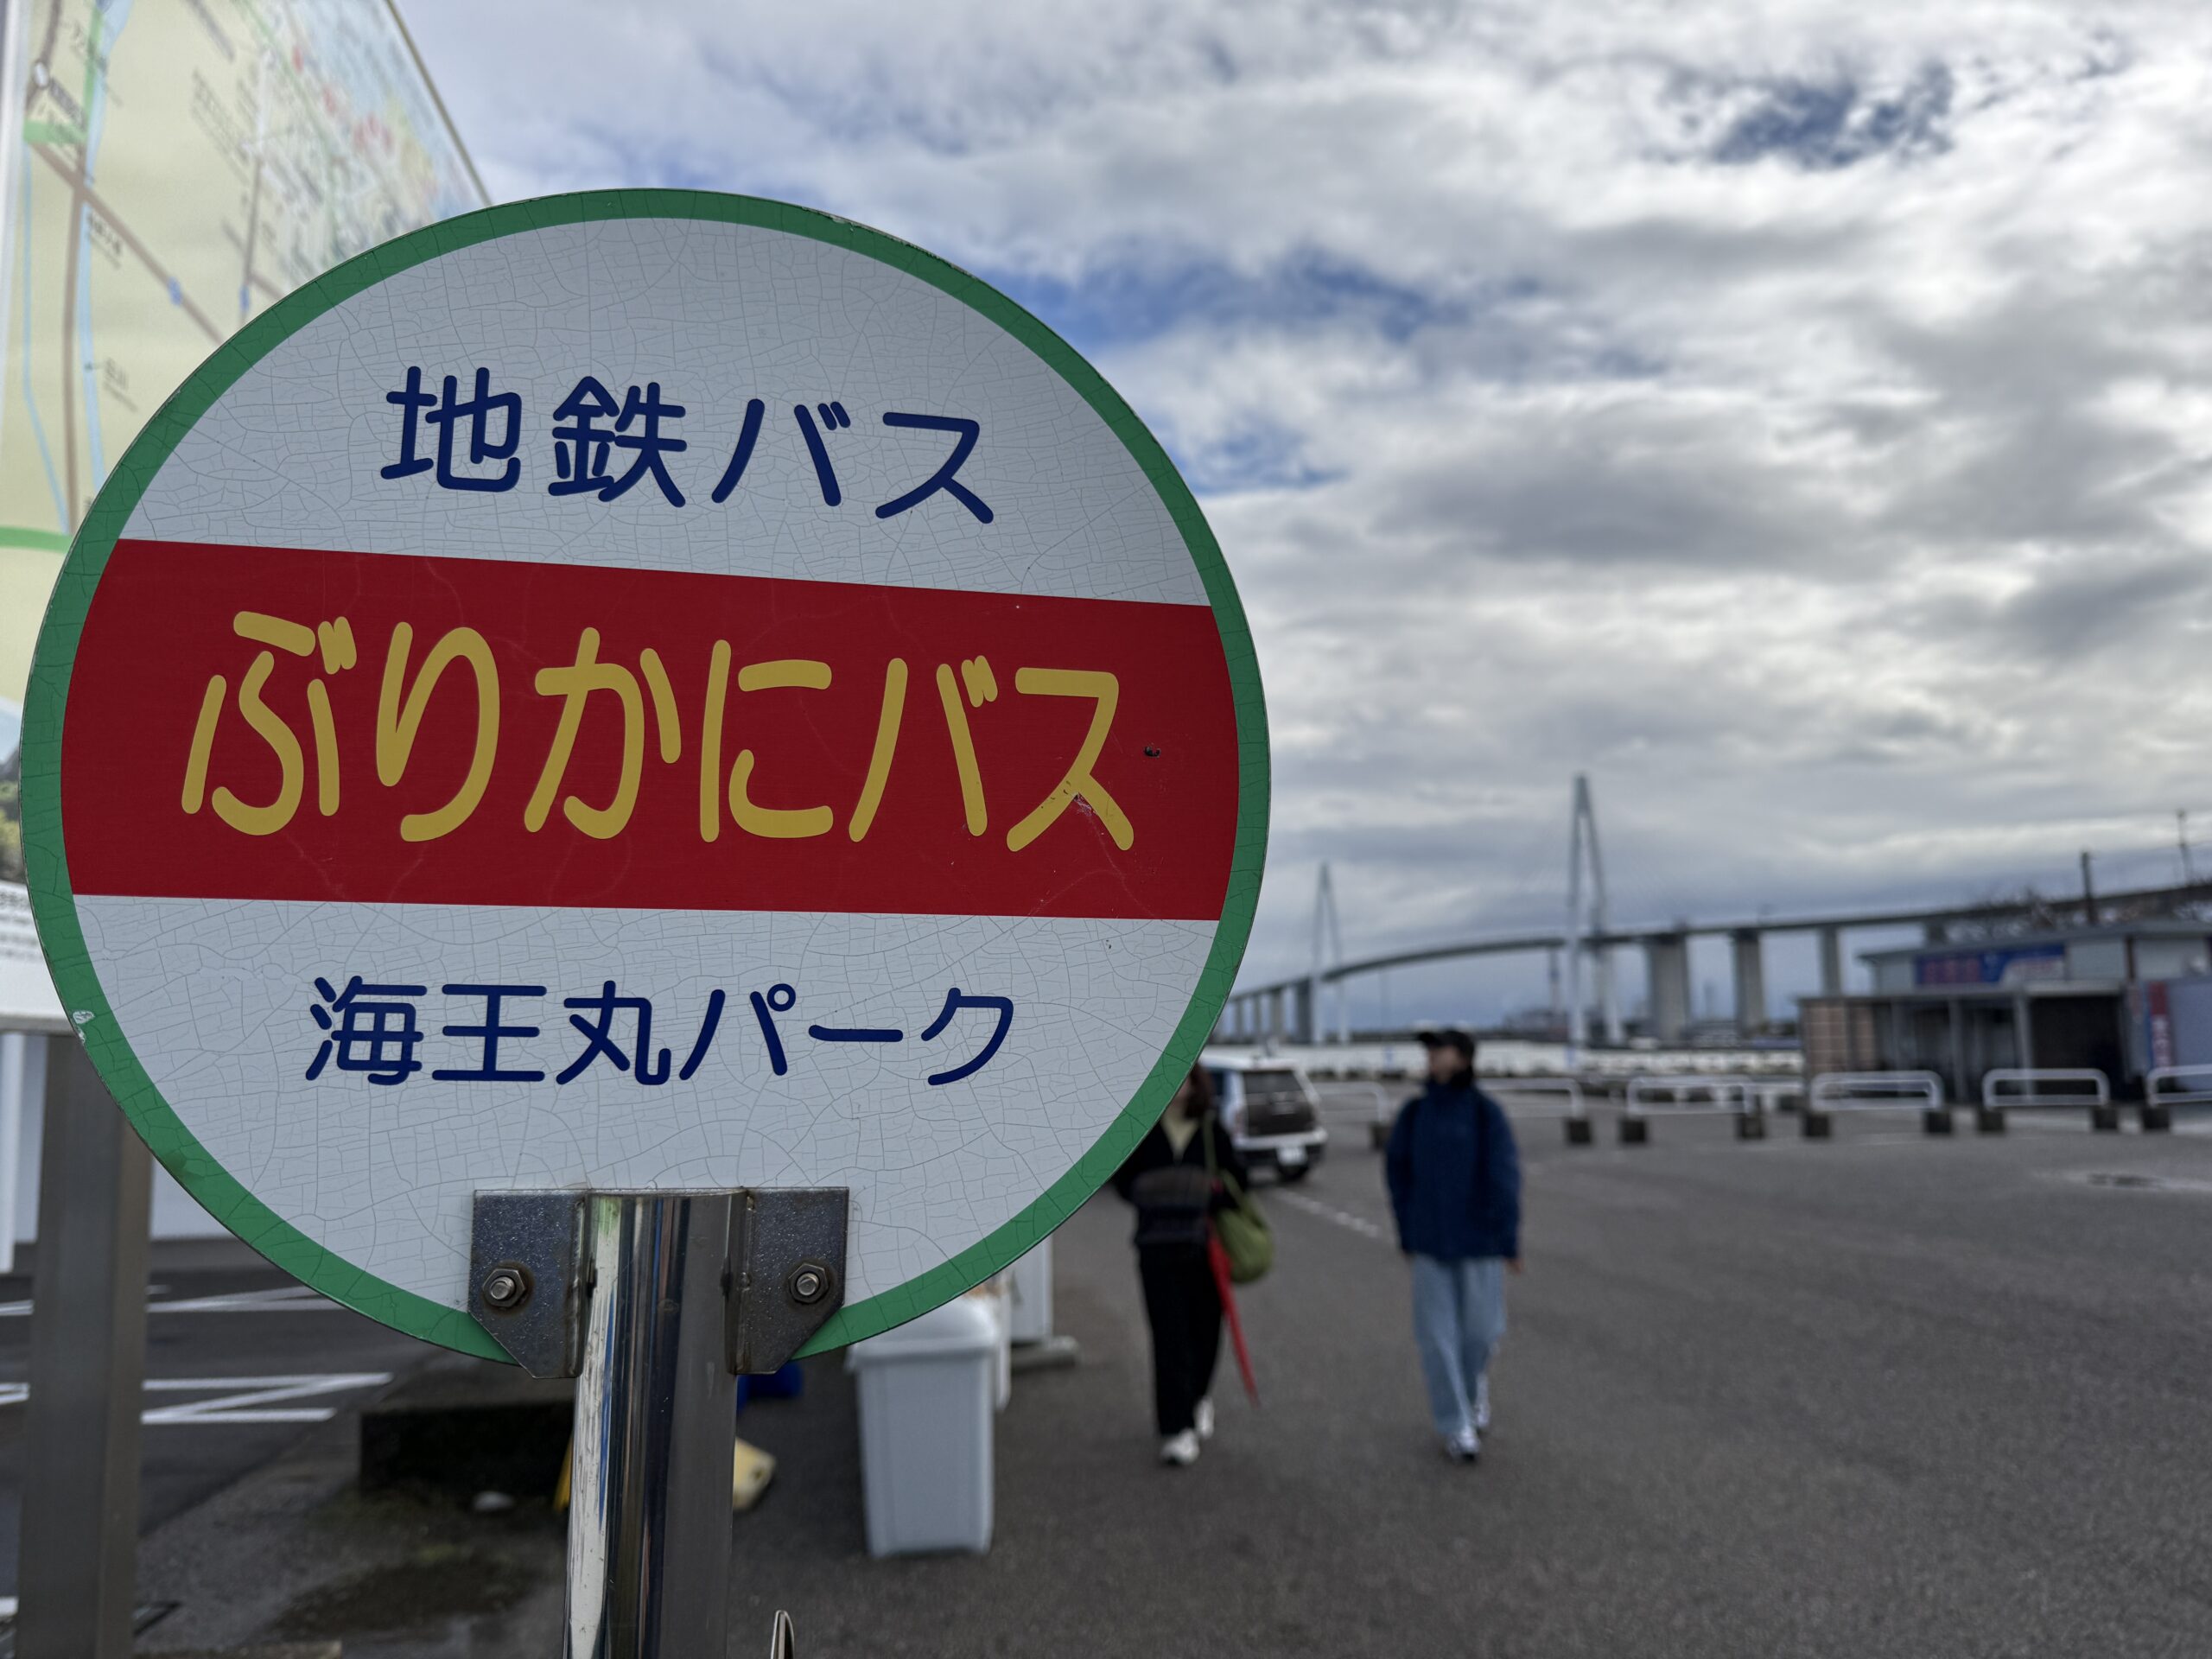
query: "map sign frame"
159, 168
1150, 479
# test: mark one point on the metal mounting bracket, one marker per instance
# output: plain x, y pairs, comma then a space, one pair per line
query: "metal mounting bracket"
527, 1249
787, 1272
529, 1279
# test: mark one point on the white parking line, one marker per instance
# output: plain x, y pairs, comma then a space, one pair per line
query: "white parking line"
1344, 1218
239, 1399
285, 1298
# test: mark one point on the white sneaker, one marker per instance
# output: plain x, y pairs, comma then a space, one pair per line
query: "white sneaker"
1201, 1419
1180, 1449
1463, 1447
1482, 1403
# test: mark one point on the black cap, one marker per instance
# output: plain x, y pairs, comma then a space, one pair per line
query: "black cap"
1450, 1036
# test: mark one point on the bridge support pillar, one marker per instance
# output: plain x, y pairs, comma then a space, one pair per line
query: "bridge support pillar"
1304, 1031
1831, 962
1751, 982
1667, 966
1274, 1027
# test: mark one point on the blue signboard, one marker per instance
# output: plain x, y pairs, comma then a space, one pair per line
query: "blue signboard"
2004, 966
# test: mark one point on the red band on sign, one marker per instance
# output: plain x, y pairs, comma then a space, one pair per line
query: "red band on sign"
278, 724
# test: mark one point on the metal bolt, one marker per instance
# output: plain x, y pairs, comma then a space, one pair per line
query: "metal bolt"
809, 1283
506, 1288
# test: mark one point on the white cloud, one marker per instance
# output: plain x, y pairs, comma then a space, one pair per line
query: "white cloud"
1795, 416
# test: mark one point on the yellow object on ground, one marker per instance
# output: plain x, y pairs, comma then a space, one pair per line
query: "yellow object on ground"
750, 1471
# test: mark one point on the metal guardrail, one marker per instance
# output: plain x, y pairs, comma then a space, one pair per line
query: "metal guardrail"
1876, 1091
1731, 1095
2031, 1079
1576, 1116
1649, 1096
1566, 1087
2159, 1074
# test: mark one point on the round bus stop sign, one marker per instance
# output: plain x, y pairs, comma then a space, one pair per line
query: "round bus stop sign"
648, 690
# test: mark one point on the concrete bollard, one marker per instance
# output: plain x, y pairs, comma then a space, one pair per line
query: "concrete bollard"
1750, 1126
2155, 1118
1936, 1119
1635, 1131
1578, 1132
1989, 1120
2104, 1119
1818, 1126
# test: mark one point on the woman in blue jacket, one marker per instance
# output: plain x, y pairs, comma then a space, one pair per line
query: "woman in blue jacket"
1455, 1191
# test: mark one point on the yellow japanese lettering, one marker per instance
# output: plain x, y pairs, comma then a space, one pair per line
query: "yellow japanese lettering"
398, 721
326, 749
336, 639
671, 735
963, 751
291, 765
886, 741
710, 743
1106, 692
273, 631
203, 742
574, 685
778, 824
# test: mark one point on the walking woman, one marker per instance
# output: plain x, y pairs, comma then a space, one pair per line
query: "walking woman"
1174, 1178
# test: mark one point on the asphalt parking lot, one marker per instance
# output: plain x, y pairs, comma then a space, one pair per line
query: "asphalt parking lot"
1882, 1394
240, 1360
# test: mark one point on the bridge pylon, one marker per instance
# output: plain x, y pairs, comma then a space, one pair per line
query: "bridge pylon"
1328, 956
1581, 926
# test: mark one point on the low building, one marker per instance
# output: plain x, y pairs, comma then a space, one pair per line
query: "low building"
2111, 999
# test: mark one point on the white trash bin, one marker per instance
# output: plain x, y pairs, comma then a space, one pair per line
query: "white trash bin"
928, 1396
1032, 1282
996, 1296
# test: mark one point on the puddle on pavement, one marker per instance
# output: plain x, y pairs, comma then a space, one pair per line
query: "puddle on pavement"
438, 1586
2134, 1181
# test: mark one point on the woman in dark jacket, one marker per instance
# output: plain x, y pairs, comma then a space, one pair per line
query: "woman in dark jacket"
1166, 1177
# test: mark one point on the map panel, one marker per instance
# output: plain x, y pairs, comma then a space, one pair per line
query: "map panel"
182, 164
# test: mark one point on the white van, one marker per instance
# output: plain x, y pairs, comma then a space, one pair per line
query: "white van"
1270, 1111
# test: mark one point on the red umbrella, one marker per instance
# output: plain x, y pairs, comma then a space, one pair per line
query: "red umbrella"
1219, 1259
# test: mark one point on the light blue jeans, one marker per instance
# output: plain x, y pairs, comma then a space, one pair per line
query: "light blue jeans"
1458, 1318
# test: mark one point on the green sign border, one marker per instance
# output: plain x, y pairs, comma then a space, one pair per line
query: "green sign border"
54, 905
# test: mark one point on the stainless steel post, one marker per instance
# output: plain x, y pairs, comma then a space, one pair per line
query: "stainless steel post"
656, 1417
87, 1372
656, 1303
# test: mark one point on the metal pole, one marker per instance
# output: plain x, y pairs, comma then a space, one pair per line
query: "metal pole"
2089, 892
656, 1419
656, 1303
14, 1074
87, 1372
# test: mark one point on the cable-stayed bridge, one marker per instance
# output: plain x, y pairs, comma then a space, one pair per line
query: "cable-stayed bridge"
1291, 1009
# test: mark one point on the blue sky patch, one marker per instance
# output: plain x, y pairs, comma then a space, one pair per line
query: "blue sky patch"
1138, 298
1821, 127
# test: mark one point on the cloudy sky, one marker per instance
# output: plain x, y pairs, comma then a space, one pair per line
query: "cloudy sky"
1795, 417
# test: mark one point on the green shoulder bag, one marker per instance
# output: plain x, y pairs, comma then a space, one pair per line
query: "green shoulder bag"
1241, 1228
